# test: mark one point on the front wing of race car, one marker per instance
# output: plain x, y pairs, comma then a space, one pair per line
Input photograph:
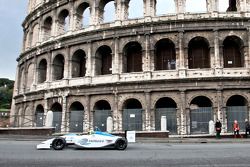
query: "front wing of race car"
94, 140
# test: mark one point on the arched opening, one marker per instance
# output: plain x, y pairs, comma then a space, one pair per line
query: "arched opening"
21, 81
135, 9
39, 116
165, 55
76, 117
57, 116
109, 12
30, 77
47, 28
236, 109
78, 64
132, 57
35, 35
102, 111
232, 6
201, 112
193, 6
233, 52
103, 60
63, 21
132, 115
58, 67
166, 108
165, 7
27, 118
83, 15
223, 5
198, 53
42, 71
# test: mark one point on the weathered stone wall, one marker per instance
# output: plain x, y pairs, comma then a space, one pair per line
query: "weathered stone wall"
182, 84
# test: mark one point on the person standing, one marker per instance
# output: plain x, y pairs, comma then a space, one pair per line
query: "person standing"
236, 128
247, 127
218, 129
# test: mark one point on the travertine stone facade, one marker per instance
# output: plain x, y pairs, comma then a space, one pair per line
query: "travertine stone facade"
185, 63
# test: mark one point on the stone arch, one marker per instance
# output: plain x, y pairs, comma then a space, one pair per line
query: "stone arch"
76, 117
107, 9
102, 110
124, 98
201, 112
198, 53
163, 7
42, 71
56, 108
47, 27
35, 34
63, 21
83, 15
166, 107
78, 63
233, 52
132, 115
58, 67
103, 60
30, 76
165, 55
21, 80
132, 57
39, 116
236, 109
27, 117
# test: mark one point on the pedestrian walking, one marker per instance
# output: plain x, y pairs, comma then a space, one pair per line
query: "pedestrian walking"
247, 128
218, 129
236, 129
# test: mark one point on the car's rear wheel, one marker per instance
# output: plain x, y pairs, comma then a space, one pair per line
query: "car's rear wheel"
121, 144
58, 143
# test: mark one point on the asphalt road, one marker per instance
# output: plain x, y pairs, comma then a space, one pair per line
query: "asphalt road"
24, 154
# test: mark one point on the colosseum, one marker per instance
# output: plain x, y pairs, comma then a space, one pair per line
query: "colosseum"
87, 63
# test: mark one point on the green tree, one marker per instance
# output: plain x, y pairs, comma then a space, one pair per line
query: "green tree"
6, 91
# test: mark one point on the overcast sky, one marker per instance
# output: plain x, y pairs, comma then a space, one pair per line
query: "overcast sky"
13, 12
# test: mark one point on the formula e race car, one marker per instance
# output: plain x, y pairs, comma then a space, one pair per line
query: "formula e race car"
94, 139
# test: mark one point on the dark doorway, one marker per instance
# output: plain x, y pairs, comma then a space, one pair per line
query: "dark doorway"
132, 115
76, 117
79, 64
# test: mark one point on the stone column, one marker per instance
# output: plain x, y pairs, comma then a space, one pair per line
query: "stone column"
115, 112
49, 67
217, 57
87, 114
64, 127
182, 68
89, 60
118, 10
54, 31
66, 65
149, 9
180, 6
219, 100
71, 16
147, 124
247, 63
183, 129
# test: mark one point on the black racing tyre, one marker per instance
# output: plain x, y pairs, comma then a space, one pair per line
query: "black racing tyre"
58, 143
121, 144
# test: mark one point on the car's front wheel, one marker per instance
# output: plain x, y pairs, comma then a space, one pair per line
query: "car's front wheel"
58, 143
121, 144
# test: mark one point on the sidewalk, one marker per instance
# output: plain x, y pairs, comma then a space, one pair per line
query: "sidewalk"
140, 139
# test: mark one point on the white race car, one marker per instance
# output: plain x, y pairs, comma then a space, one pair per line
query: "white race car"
95, 139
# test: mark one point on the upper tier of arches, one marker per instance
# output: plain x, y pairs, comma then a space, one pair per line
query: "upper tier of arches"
41, 25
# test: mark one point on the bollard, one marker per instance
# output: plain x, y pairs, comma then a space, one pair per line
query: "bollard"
49, 119
109, 124
163, 123
211, 127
